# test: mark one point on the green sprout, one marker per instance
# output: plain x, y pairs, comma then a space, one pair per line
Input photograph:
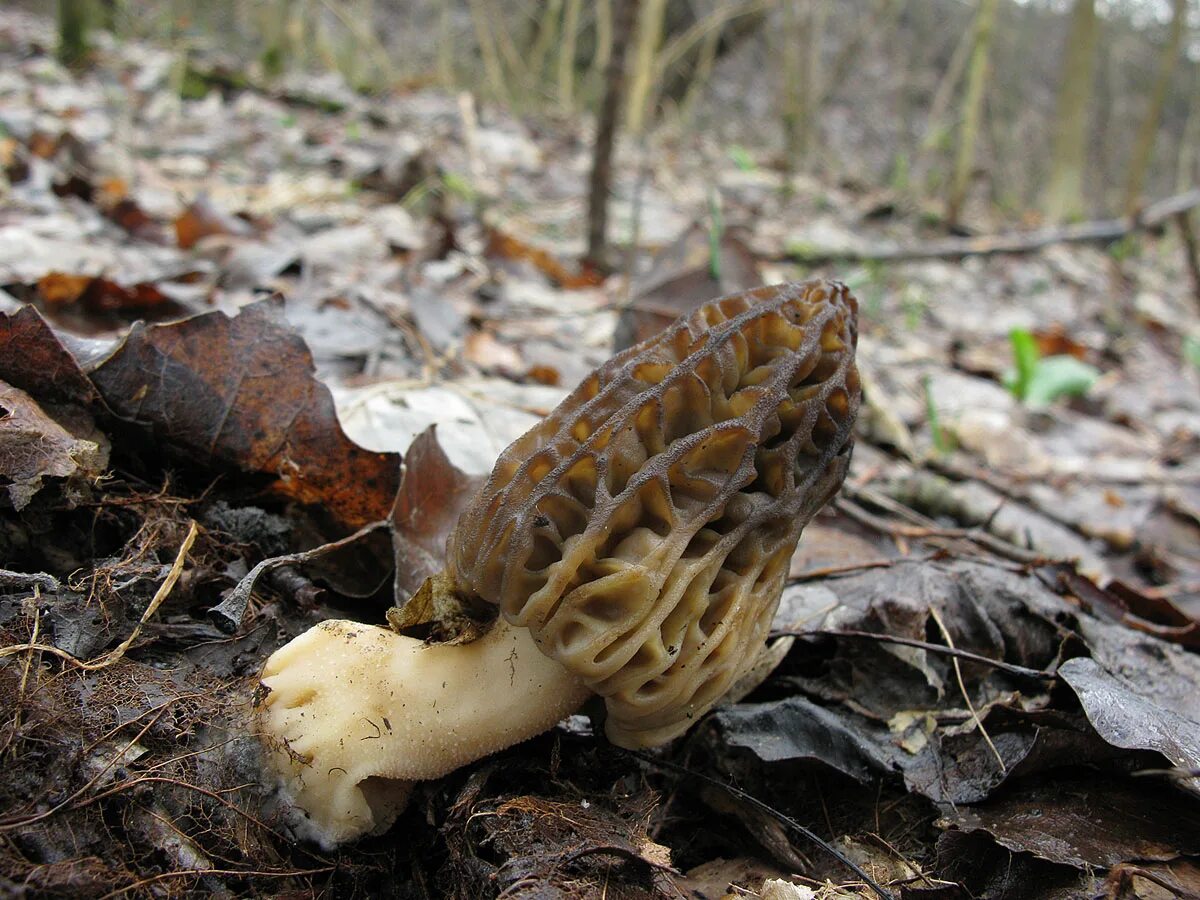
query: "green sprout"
1191, 350
1038, 381
741, 158
941, 442
458, 186
716, 230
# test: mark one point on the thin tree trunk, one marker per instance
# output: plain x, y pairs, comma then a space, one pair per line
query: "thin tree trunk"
504, 40
1189, 145
812, 82
1143, 149
968, 134
649, 36
1191, 254
487, 50
74, 17
606, 131
1068, 156
551, 12
603, 51
445, 46
935, 130
795, 114
704, 65
566, 55
946, 88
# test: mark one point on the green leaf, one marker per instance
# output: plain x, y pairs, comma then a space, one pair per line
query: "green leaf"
1059, 376
741, 158
458, 186
1191, 350
716, 230
940, 444
1025, 358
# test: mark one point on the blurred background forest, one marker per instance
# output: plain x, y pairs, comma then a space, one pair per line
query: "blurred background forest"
1029, 110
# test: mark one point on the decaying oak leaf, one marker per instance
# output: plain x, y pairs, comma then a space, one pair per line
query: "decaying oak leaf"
240, 392
35, 448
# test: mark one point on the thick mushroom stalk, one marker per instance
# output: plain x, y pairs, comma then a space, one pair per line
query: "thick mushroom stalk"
354, 714
635, 543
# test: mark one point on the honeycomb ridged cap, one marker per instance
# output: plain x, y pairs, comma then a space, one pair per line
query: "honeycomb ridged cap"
643, 530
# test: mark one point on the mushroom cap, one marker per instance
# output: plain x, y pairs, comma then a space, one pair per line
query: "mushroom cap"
643, 531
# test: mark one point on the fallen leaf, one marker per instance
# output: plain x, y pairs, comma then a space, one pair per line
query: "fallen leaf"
1084, 820
126, 213
93, 302
682, 277
34, 448
433, 493
201, 219
1128, 718
482, 349
240, 392
506, 247
44, 364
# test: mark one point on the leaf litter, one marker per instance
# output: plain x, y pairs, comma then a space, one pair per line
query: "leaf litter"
956, 707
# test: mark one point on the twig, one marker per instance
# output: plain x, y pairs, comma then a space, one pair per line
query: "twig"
984, 539
1011, 668
1191, 255
1101, 231
114, 655
600, 179
770, 811
227, 615
830, 571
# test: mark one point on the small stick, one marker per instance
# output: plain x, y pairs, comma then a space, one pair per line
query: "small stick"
921, 645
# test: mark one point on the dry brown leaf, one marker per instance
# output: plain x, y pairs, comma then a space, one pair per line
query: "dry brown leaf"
34, 447
240, 392
505, 246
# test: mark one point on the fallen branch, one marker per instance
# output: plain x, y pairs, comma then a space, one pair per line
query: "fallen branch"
1191, 256
1102, 231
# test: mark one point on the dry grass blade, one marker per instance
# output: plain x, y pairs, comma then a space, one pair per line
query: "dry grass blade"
115, 655
963, 688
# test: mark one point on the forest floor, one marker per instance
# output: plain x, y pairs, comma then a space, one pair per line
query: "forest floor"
320, 277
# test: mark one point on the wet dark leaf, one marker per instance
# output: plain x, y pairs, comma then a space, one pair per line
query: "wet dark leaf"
1087, 820
1126, 717
987, 869
46, 365
796, 728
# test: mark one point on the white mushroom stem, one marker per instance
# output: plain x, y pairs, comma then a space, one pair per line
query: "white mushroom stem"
354, 714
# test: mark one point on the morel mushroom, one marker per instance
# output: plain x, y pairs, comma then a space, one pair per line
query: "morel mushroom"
635, 542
